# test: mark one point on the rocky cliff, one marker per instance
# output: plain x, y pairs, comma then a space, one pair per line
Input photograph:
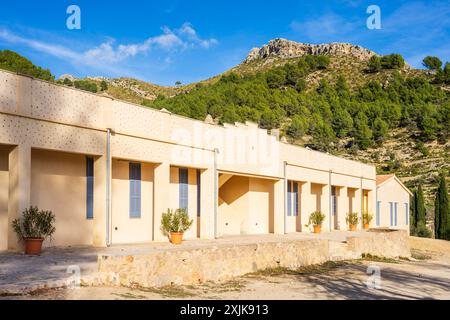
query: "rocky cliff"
283, 48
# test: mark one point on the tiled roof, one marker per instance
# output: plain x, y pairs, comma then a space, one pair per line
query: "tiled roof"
382, 178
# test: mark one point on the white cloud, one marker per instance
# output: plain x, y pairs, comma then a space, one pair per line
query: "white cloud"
108, 54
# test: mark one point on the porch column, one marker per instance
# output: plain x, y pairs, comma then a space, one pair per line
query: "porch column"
343, 208
278, 207
19, 188
325, 205
307, 204
357, 205
161, 198
100, 209
207, 204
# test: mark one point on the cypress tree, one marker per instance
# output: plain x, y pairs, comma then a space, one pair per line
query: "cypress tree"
413, 222
420, 206
443, 209
437, 217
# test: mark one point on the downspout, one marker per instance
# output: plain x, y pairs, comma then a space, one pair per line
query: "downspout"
216, 193
108, 186
285, 197
330, 198
362, 203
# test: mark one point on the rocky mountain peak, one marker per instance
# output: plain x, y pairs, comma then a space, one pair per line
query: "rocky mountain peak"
283, 48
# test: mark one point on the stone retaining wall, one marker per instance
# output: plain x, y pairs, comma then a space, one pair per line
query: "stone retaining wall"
221, 263
187, 267
382, 243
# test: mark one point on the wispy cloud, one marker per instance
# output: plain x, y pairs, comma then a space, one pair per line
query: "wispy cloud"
109, 55
328, 27
415, 29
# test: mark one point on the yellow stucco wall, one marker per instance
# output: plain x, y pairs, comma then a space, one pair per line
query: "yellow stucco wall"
58, 183
124, 228
392, 191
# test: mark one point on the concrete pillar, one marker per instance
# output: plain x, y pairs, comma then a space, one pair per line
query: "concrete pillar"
278, 207
307, 204
161, 198
357, 205
100, 206
19, 188
343, 208
325, 204
207, 204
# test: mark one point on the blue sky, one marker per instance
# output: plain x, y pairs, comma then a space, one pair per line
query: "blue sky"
173, 40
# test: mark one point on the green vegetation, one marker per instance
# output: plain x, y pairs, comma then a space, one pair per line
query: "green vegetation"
86, 85
303, 271
278, 98
372, 258
392, 61
418, 219
442, 211
432, 63
9, 60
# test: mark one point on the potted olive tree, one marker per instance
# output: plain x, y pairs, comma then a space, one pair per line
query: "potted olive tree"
367, 219
352, 220
33, 228
316, 220
175, 224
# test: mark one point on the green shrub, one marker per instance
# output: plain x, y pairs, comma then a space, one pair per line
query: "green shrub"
352, 218
367, 218
176, 221
316, 219
34, 224
86, 85
421, 230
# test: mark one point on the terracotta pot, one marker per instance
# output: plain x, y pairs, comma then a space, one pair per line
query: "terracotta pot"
176, 237
317, 229
366, 226
352, 227
33, 246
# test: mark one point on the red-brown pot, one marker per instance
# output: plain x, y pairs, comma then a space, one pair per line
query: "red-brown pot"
33, 246
366, 226
352, 227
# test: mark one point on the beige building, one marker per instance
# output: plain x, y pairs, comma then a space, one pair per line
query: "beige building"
393, 203
109, 169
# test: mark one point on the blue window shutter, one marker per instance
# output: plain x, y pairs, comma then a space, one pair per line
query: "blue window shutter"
391, 210
395, 212
289, 199
183, 182
295, 199
135, 190
407, 213
90, 188
199, 189
378, 212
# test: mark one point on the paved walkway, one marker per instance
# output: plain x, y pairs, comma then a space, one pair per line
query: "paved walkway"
19, 272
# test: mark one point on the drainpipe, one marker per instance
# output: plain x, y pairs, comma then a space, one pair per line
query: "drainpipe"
216, 193
285, 196
362, 202
330, 198
108, 186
